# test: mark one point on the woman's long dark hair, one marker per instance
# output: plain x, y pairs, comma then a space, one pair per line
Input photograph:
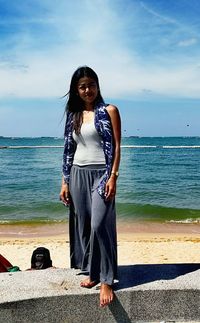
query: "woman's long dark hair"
75, 104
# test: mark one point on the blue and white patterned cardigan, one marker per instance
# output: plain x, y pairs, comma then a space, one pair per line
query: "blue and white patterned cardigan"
104, 128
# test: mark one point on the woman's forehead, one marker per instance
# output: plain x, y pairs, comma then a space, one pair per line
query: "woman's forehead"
85, 79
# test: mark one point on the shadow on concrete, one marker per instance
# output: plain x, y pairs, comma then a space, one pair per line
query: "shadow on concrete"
118, 311
134, 275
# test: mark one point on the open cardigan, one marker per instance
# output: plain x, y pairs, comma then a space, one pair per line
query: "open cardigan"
104, 128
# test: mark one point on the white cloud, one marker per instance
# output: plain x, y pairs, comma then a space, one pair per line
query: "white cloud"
188, 42
120, 74
94, 41
158, 15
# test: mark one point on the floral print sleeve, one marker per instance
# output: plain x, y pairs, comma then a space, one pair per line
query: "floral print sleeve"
104, 128
69, 148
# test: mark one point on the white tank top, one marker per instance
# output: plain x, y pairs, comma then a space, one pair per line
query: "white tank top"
89, 150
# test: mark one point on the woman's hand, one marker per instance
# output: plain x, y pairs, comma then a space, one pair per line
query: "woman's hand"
110, 188
64, 194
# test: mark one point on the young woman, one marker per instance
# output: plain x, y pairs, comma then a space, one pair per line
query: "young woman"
90, 169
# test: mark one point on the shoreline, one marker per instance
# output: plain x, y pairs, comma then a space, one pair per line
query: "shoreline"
58, 229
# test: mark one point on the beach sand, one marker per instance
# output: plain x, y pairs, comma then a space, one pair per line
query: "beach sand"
138, 243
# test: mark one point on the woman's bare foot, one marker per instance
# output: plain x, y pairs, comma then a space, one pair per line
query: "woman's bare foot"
87, 283
106, 295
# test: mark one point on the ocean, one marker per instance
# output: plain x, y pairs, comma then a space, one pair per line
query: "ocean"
159, 180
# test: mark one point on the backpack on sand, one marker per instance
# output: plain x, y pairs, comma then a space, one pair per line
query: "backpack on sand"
41, 259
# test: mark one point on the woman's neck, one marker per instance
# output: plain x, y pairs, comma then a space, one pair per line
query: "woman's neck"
89, 107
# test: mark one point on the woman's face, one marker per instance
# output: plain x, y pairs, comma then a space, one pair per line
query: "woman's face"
87, 89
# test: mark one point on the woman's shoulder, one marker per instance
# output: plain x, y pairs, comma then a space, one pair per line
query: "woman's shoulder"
112, 110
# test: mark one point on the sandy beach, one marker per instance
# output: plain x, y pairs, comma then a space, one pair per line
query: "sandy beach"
138, 243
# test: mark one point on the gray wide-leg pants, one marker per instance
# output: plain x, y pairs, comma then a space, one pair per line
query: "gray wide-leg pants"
92, 220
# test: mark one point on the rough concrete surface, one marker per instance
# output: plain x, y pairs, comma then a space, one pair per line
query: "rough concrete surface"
144, 293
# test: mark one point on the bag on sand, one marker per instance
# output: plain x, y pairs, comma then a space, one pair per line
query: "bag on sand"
6, 266
41, 258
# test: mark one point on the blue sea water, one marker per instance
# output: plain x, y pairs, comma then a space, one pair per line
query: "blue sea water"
159, 180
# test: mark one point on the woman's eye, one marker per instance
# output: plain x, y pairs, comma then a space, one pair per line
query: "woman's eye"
89, 86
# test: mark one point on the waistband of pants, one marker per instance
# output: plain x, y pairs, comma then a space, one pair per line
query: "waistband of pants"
92, 166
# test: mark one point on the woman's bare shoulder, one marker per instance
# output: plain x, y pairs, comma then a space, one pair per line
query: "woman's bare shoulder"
112, 109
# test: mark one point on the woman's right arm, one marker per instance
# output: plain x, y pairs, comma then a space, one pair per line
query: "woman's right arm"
64, 193
68, 155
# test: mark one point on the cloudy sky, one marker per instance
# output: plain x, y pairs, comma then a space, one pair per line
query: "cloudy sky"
146, 53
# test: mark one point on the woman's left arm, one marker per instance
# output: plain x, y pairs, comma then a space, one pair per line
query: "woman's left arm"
110, 188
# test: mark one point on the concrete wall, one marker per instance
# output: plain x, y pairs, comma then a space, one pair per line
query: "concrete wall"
145, 293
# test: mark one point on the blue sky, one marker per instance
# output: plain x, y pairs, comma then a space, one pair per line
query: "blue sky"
146, 53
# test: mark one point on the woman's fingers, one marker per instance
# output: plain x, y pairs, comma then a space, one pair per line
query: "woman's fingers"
64, 197
109, 191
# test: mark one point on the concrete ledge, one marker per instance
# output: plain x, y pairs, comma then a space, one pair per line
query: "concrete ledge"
145, 293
